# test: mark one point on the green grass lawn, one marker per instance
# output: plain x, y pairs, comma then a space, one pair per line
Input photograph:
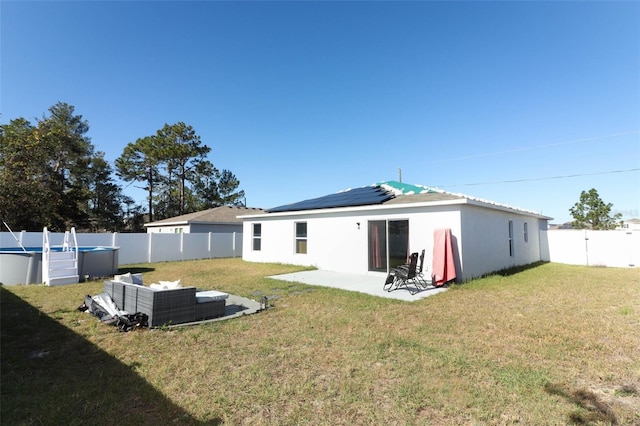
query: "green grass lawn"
553, 344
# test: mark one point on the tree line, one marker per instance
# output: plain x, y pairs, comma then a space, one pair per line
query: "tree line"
51, 175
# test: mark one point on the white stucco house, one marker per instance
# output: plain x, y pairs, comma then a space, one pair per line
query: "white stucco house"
371, 229
631, 225
223, 220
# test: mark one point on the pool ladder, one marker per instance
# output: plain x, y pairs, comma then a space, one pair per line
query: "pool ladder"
60, 267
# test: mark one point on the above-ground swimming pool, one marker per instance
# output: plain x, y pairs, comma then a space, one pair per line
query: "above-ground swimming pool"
18, 266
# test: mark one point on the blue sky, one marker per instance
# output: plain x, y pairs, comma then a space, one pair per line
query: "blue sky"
522, 103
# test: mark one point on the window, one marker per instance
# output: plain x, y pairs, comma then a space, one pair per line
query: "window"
257, 236
301, 237
526, 232
511, 238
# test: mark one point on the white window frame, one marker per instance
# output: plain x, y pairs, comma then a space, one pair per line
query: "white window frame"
300, 241
256, 238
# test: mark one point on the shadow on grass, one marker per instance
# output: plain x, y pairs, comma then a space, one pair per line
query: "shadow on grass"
591, 411
517, 269
135, 270
51, 375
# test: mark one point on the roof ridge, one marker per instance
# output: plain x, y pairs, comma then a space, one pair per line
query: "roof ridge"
397, 188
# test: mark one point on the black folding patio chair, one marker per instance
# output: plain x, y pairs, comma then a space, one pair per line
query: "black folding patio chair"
420, 278
404, 275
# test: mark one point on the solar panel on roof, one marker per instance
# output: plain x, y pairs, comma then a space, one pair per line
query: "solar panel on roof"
368, 195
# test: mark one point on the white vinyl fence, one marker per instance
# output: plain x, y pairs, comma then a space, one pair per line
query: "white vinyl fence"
594, 248
575, 247
142, 248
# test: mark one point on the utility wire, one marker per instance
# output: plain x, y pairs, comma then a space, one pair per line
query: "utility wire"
537, 179
528, 148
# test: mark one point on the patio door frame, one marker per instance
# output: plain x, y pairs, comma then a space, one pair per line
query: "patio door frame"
380, 241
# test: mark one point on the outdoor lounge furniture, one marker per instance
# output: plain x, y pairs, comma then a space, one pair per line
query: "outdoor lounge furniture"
420, 278
404, 275
210, 304
170, 306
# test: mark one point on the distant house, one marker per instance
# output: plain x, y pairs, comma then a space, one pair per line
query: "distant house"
631, 225
371, 229
222, 219
625, 225
566, 225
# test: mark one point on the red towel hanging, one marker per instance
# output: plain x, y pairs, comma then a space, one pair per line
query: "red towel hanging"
444, 268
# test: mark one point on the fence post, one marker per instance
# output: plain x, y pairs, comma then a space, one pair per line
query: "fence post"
149, 243
630, 238
586, 246
233, 245
182, 246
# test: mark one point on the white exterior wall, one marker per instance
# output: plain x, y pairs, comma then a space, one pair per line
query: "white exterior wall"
334, 241
194, 228
485, 242
422, 225
173, 229
337, 235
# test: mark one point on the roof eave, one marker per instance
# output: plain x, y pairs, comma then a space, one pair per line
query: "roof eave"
506, 208
353, 209
157, 224
397, 206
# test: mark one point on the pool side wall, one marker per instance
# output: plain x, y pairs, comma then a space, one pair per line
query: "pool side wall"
20, 268
26, 267
97, 263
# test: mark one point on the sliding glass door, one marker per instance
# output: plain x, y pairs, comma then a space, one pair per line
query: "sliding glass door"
388, 244
398, 242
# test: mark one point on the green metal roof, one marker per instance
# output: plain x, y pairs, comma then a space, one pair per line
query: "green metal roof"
405, 188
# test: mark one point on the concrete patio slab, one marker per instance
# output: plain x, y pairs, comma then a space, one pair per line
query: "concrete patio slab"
369, 284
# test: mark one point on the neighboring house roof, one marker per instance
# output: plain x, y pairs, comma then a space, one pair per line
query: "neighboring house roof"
216, 215
390, 193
